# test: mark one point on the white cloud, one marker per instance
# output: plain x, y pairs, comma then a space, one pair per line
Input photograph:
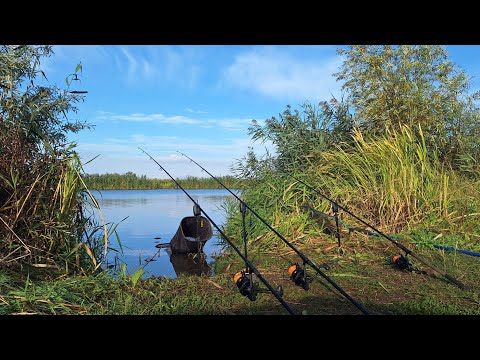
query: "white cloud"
233, 124
88, 55
85, 53
107, 147
143, 139
132, 63
195, 111
129, 145
142, 165
160, 64
172, 63
276, 73
121, 155
104, 113
140, 117
230, 123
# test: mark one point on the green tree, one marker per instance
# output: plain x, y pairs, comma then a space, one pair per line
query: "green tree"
387, 86
299, 136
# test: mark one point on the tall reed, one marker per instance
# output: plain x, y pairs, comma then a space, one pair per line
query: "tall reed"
391, 180
42, 223
394, 182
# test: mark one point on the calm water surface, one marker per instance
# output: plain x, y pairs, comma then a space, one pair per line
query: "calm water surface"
157, 213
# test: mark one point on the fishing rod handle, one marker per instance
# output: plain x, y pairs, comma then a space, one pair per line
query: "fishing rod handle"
456, 282
444, 274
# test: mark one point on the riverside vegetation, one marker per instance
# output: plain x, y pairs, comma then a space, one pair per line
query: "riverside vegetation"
130, 181
400, 150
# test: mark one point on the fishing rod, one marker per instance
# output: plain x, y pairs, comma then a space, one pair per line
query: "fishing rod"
407, 251
295, 271
251, 267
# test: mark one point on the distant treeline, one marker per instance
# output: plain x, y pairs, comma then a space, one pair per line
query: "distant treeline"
130, 181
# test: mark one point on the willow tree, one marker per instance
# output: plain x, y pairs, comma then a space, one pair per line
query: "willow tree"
388, 86
299, 136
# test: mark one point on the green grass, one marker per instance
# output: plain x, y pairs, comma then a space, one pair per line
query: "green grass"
363, 269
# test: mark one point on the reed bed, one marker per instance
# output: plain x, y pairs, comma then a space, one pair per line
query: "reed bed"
42, 209
394, 182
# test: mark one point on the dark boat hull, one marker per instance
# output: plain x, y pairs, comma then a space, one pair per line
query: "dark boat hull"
194, 231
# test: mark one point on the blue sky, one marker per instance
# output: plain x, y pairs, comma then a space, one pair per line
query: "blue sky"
195, 99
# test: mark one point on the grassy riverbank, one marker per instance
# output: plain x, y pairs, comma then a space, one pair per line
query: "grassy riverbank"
364, 270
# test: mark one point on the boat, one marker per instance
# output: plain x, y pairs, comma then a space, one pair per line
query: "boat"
192, 233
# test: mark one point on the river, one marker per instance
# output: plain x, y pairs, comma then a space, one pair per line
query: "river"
157, 213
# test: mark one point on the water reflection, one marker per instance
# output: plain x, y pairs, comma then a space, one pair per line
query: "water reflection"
156, 213
189, 264
124, 202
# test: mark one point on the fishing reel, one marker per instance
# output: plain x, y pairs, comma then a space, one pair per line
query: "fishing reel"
298, 276
246, 284
402, 262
